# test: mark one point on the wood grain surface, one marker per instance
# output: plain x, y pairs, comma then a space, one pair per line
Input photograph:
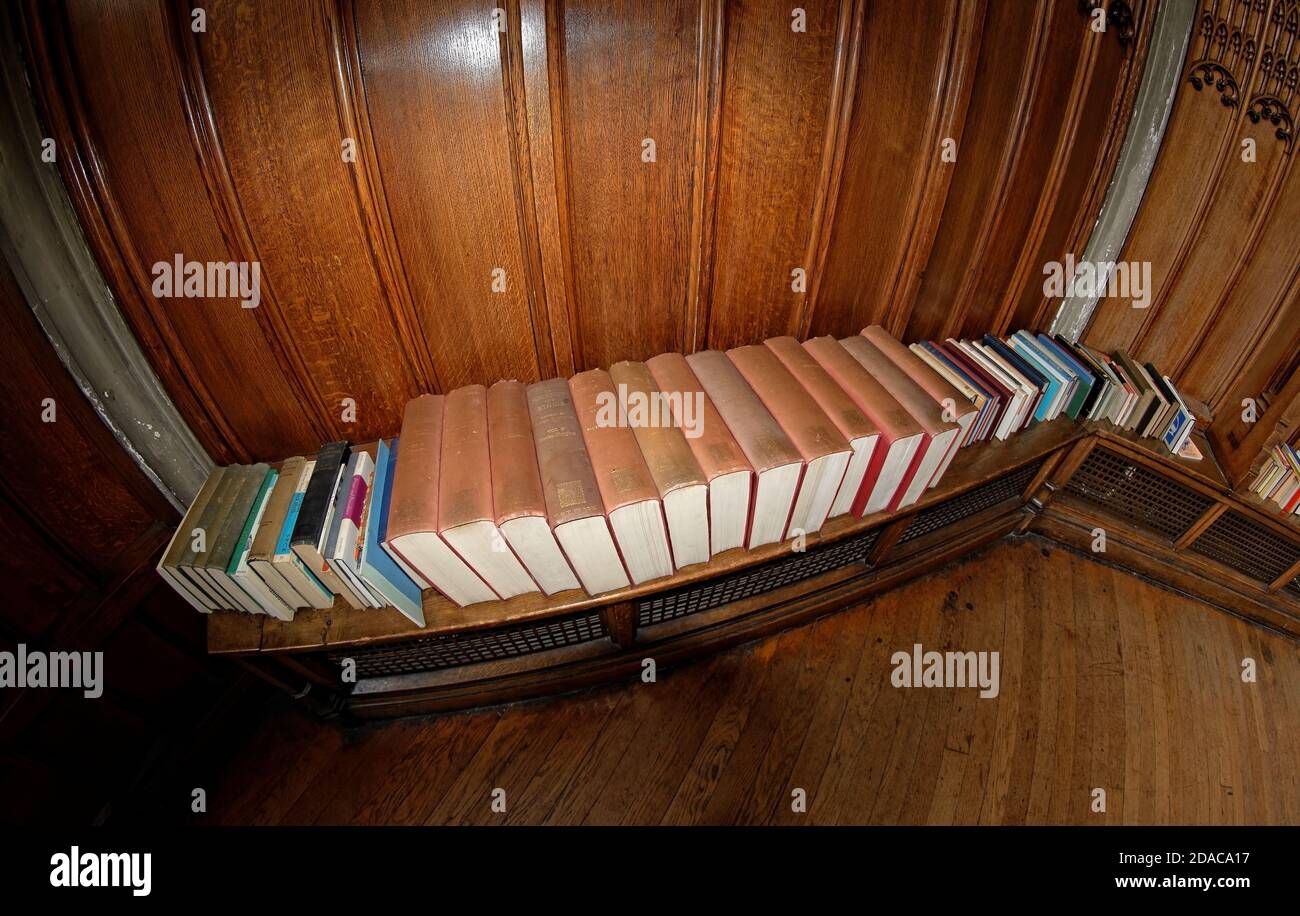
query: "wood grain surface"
1106, 681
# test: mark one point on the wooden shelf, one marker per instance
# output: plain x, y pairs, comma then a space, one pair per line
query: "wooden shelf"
235, 633
1208, 470
1175, 520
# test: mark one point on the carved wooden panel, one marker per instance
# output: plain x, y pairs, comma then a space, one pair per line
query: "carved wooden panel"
437, 194
1218, 222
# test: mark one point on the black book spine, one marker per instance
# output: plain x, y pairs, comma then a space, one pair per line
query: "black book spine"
320, 493
1099, 381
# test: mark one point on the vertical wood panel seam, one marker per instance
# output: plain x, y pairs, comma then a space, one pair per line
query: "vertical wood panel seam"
935, 112
958, 80
555, 68
1026, 91
511, 46
705, 162
542, 178
1209, 193
211, 157
839, 117
1049, 195
369, 193
102, 219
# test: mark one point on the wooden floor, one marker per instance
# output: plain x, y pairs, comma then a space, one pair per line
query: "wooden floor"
1106, 682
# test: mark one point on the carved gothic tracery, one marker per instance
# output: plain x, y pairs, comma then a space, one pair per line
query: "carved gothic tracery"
1270, 110
1208, 73
1260, 40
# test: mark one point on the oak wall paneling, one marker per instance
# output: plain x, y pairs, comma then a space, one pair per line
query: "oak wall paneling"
1050, 122
628, 73
903, 106
777, 91
1006, 74
440, 114
1217, 225
1088, 147
519, 150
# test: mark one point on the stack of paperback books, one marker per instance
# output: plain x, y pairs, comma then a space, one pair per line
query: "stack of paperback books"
1278, 480
619, 477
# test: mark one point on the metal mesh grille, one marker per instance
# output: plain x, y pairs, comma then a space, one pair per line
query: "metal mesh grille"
1240, 544
432, 653
771, 575
1132, 492
972, 502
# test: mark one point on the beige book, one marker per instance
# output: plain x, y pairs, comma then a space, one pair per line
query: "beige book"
719, 455
627, 490
682, 485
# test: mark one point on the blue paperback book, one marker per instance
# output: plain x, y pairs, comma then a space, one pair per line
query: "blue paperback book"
377, 566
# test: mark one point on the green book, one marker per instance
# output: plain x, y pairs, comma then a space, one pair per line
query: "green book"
226, 530
241, 545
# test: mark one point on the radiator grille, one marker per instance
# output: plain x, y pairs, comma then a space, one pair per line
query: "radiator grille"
451, 650
1240, 544
972, 502
768, 577
1132, 492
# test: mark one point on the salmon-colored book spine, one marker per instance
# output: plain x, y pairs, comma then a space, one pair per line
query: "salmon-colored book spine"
413, 508
837, 404
911, 395
620, 469
807, 425
568, 481
875, 400
714, 447
945, 394
465, 485
760, 436
516, 480
663, 445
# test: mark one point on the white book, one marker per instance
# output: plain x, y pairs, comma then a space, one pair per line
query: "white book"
1021, 400
341, 534
269, 602
532, 540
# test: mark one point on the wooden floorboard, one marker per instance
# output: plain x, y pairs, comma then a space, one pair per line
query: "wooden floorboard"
1107, 681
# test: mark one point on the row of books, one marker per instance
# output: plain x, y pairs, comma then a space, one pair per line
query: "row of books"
1278, 479
625, 476
1029, 377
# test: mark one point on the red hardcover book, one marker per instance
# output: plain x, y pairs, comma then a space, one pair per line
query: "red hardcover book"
922, 407
824, 449
901, 436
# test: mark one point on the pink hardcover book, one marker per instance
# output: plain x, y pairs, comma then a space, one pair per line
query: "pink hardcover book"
954, 405
901, 436
777, 464
923, 409
466, 519
573, 502
719, 455
517, 498
824, 449
862, 434
627, 489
